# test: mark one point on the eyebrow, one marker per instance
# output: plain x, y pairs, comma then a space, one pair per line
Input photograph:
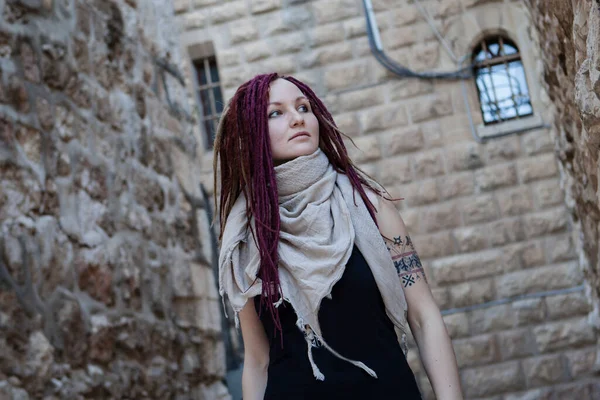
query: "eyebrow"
297, 98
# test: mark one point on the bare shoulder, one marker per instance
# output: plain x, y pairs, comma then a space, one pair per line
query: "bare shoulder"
389, 219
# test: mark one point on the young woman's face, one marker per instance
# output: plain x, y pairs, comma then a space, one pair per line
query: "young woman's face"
293, 128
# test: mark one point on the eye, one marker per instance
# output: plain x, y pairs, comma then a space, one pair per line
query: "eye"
304, 108
274, 113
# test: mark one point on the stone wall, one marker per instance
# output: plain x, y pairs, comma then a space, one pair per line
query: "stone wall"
489, 220
570, 37
106, 289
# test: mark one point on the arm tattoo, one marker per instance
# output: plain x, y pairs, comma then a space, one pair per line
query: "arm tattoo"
406, 260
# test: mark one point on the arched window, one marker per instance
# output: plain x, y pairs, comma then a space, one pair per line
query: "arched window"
500, 80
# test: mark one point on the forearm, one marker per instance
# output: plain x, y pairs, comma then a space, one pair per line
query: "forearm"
254, 382
437, 355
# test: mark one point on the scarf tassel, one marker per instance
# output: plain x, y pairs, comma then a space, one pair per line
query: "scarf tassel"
310, 337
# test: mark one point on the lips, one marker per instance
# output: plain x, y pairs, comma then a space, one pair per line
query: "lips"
303, 133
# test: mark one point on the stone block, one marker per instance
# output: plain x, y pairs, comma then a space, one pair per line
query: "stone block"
439, 217
492, 319
530, 254
289, 43
194, 20
456, 185
560, 248
421, 193
45, 113
581, 362
546, 222
465, 267
538, 279
464, 156
17, 95
326, 34
394, 170
214, 391
480, 209
502, 149
203, 3
471, 293
399, 37
407, 88
435, 245
477, 350
534, 394
282, 65
348, 123
382, 118
545, 370
529, 311
457, 325
516, 344
334, 10
30, 141
228, 58
492, 379
367, 149
228, 12
428, 164
472, 238
181, 6
580, 391
515, 201
361, 99
567, 305
327, 55
426, 56
536, 168
563, 334
346, 76
29, 62
402, 141
505, 231
354, 28
537, 142
257, 51
243, 31
405, 15
495, 177
548, 193
429, 107
441, 297
261, 6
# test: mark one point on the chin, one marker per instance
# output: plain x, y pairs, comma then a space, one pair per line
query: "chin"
299, 152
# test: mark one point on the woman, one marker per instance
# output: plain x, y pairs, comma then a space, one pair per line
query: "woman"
316, 263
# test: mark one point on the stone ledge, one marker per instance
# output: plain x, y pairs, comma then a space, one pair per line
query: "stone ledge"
505, 128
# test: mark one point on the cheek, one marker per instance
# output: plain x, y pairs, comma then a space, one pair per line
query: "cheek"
275, 133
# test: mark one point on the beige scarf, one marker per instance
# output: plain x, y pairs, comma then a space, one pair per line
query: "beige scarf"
320, 223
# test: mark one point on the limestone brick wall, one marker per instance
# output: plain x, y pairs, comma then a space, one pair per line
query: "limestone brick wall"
489, 220
106, 289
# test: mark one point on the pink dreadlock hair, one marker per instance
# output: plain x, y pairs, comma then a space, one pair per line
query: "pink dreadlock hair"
242, 150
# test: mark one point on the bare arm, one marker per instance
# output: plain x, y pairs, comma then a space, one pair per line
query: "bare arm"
424, 318
256, 354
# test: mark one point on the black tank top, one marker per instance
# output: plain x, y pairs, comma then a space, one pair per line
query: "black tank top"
353, 323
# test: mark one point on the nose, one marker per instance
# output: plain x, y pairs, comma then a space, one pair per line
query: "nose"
297, 119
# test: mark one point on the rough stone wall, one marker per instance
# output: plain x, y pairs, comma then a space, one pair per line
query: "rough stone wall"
570, 37
489, 220
106, 289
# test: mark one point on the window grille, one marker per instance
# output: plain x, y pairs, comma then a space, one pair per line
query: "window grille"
500, 80
210, 96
